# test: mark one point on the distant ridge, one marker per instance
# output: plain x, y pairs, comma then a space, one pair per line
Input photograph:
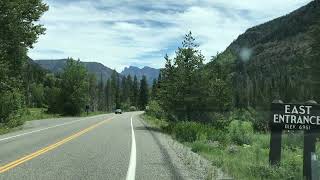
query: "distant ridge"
57, 65
150, 73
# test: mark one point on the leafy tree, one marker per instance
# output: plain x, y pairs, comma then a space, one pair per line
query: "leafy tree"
18, 32
74, 88
37, 95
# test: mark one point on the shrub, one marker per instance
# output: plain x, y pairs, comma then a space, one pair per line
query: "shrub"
220, 121
132, 108
190, 131
10, 106
155, 110
240, 132
293, 139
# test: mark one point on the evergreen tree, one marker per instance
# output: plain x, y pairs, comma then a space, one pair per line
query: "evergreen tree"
101, 98
129, 87
154, 89
93, 91
179, 88
135, 92
109, 95
314, 64
143, 93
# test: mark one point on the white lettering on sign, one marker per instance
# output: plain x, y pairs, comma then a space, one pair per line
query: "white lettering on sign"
302, 109
297, 116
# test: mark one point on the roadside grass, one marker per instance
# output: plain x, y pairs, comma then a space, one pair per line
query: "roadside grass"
84, 114
38, 114
247, 161
31, 114
6, 129
41, 113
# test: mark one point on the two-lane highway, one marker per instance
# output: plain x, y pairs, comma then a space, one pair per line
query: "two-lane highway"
101, 147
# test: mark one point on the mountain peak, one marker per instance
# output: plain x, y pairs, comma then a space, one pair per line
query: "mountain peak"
96, 68
150, 73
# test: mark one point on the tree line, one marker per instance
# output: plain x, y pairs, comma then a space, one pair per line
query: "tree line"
72, 90
25, 84
189, 90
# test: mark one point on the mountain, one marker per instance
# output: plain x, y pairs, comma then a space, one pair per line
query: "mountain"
57, 66
273, 60
150, 73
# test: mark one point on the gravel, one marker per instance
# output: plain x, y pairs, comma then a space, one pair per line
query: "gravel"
189, 164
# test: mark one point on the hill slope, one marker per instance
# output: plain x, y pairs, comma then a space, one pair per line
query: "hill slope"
272, 60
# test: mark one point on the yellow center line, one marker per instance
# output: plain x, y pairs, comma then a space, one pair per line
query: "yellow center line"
48, 148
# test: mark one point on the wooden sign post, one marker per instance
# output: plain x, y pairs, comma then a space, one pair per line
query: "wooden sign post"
288, 116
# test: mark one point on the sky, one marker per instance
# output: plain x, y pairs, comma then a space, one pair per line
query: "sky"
121, 33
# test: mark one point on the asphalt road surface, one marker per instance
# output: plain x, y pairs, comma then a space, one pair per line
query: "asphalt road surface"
106, 146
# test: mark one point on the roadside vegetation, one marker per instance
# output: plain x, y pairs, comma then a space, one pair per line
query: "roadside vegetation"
237, 149
221, 110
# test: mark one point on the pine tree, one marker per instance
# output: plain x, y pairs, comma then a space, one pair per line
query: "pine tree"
135, 92
129, 87
101, 104
143, 93
154, 89
109, 96
314, 69
179, 90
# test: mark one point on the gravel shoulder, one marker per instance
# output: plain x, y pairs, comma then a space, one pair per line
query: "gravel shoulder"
189, 164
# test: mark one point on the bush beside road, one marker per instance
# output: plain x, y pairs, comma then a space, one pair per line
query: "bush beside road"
238, 150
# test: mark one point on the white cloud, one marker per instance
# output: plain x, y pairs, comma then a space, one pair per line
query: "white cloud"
126, 32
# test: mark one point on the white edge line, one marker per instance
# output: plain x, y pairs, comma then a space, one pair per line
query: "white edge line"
132, 164
38, 130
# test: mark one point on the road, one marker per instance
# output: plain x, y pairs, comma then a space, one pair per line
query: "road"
106, 146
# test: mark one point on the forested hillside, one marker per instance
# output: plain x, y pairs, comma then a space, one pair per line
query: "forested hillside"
274, 60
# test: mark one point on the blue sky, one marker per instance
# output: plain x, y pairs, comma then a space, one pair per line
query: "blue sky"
120, 33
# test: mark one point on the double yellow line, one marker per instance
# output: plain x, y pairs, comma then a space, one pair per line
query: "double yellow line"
48, 148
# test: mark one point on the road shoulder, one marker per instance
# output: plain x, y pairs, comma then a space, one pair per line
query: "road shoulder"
189, 164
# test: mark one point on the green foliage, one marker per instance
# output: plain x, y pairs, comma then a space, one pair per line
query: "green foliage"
11, 104
54, 101
18, 32
144, 93
37, 94
189, 131
37, 114
74, 88
240, 132
248, 161
155, 110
